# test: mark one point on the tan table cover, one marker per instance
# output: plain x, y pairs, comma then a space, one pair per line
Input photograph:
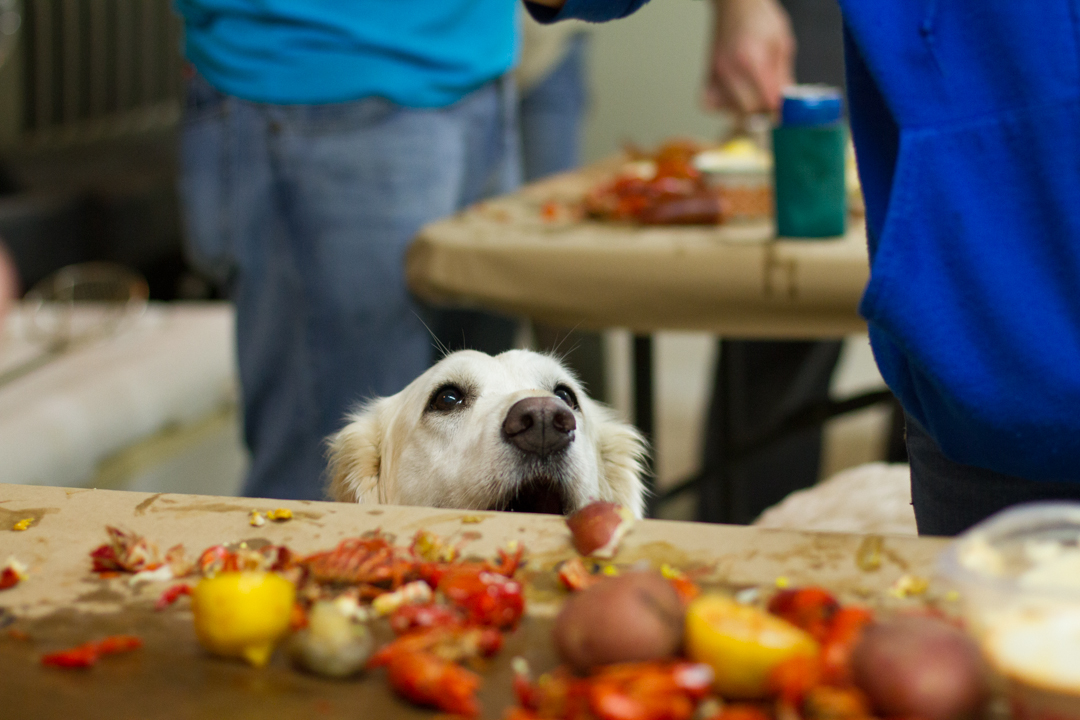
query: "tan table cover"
729, 280
62, 603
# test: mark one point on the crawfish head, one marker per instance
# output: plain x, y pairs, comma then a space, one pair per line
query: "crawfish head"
809, 608
125, 552
369, 560
486, 597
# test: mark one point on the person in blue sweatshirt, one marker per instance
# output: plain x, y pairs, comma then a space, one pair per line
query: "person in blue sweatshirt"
317, 138
965, 117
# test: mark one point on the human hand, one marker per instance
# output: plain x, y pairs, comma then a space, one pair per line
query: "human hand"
9, 283
752, 56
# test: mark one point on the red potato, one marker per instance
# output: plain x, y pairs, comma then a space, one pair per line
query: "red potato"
920, 666
633, 617
598, 528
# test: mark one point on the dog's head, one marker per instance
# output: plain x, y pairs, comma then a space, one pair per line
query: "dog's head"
510, 432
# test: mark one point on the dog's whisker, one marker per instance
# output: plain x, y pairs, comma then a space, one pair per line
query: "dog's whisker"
443, 349
567, 336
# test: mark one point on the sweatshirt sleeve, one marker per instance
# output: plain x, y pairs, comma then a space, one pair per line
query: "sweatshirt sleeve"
591, 10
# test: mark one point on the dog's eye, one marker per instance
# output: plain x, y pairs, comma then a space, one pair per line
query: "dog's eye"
447, 398
567, 396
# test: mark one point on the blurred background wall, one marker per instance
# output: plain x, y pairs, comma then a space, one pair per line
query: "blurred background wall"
646, 77
89, 99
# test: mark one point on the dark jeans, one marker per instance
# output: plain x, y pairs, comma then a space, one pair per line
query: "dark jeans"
950, 497
757, 385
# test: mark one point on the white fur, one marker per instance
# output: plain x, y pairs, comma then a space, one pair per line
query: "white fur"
396, 451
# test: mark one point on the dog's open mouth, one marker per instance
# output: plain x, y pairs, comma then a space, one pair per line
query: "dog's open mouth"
541, 495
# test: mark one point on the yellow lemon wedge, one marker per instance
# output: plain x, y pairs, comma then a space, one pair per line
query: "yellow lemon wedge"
242, 614
742, 644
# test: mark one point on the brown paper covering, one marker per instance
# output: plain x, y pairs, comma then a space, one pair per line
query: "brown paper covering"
732, 280
63, 603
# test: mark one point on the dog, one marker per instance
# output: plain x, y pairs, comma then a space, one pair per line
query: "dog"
511, 432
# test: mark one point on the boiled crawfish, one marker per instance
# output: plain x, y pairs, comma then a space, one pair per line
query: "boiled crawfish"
372, 563
481, 599
838, 629
422, 665
222, 558
668, 690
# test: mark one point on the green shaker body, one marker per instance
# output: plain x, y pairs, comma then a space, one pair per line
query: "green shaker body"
808, 168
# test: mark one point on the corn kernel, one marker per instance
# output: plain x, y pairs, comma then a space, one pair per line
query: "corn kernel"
23, 524
909, 585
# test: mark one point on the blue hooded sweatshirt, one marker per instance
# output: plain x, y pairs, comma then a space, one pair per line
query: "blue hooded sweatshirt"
966, 121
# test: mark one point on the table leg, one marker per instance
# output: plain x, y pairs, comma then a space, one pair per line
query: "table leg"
643, 409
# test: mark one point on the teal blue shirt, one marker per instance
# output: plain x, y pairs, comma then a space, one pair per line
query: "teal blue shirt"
416, 53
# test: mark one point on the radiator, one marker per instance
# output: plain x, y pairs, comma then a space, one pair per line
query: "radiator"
98, 68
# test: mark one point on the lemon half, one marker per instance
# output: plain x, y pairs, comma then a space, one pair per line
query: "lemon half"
242, 614
742, 644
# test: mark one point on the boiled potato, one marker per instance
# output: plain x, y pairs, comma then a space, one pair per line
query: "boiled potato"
920, 666
632, 617
742, 644
331, 645
597, 528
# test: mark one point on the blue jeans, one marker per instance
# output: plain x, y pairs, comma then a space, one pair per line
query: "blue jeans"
551, 114
303, 214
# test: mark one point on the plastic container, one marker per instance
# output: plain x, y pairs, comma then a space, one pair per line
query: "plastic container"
1018, 573
809, 163
742, 172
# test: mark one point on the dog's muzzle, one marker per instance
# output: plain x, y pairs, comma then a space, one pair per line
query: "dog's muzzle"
540, 426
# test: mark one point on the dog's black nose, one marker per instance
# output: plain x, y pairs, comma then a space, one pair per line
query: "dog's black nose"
540, 425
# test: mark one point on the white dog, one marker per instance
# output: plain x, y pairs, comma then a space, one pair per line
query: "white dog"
476, 432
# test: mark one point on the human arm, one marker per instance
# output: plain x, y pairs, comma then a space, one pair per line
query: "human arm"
751, 58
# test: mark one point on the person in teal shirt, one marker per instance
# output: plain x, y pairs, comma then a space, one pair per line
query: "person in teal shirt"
318, 137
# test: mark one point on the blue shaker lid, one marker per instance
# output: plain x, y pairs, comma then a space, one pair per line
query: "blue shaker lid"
810, 105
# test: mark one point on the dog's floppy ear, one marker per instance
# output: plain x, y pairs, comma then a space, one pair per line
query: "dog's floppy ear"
622, 454
357, 455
